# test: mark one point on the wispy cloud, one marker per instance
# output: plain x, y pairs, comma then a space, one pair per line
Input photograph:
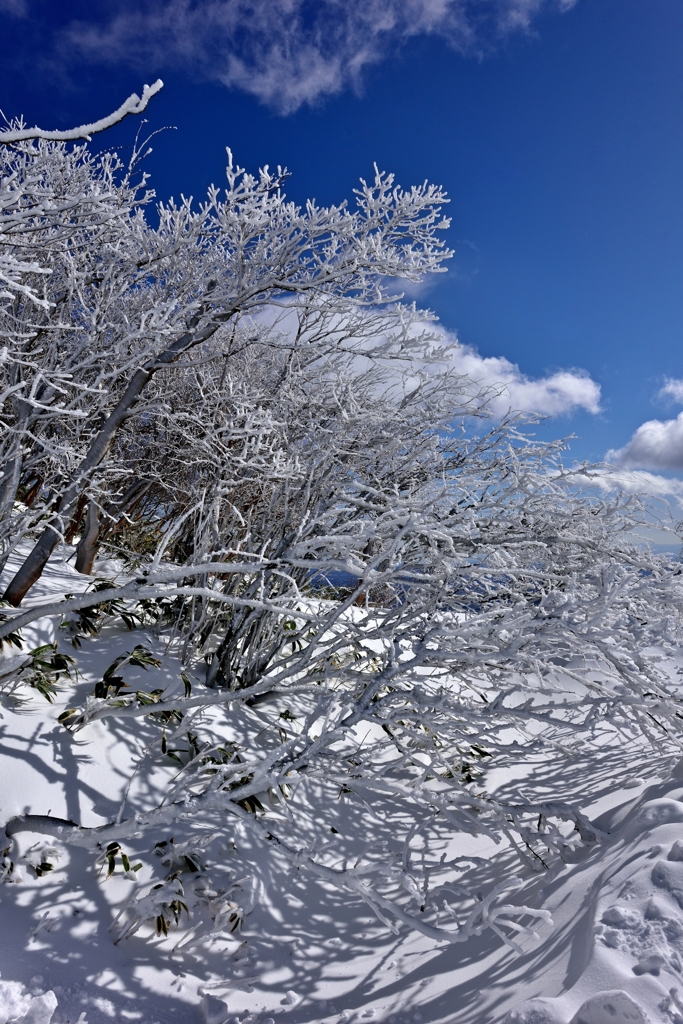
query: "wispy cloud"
289, 53
19, 8
672, 388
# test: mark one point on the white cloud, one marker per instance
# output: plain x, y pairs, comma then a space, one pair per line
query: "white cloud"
657, 444
631, 481
672, 388
662, 504
556, 394
505, 388
291, 52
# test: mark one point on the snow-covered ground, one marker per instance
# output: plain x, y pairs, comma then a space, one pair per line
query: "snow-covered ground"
614, 953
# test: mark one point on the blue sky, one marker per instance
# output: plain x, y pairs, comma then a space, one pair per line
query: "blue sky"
556, 127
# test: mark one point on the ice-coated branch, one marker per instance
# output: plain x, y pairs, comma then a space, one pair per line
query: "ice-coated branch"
133, 105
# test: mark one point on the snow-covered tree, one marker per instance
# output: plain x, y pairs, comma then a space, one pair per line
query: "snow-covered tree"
123, 302
373, 591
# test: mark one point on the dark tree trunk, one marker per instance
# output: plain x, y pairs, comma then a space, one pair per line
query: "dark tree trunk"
34, 564
116, 513
87, 548
33, 493
76, 520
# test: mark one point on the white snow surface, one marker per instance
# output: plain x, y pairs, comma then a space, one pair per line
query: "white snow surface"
613, 955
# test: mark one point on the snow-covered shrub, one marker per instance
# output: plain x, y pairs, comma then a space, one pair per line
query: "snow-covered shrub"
374, 593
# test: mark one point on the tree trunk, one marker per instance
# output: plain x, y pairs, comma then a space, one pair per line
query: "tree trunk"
32, 568
33, 493
8, 493
74, 524
87, 548
10, 483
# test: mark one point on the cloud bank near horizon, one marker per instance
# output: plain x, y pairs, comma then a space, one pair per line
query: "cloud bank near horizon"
288, 53
663, 498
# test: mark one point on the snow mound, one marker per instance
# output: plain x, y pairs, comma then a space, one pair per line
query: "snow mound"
615, 1007
535, 1011
19, 1006
610, 1008
215, 1010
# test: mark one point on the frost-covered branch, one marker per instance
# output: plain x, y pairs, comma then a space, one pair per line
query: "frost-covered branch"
133, 105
